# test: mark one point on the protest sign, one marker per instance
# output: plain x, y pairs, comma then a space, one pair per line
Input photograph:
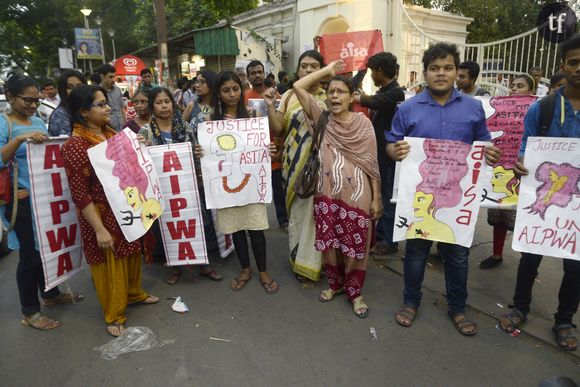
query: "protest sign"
548, 216
236, 162
257, 107
57, 228
182, 225
506, 123
438, 198
352, 47
130, 182
225, 241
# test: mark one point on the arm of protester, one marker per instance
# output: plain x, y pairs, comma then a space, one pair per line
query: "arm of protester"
198, 151
519, 168
304, 84
377, 202
397, 148
481, 132
8, 148
316, 42
358, 78
186, 115
104, 238
275, 118
145, 132
492, 154
531, 126
383, 101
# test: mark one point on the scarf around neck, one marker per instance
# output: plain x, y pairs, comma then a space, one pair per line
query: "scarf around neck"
178, 130
83, 132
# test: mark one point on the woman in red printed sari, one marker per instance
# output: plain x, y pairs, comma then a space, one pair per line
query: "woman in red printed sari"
348, 198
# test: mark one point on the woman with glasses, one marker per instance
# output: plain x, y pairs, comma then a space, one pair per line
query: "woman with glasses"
23, 96
348, 197
60, 122
115, 263
196, 111
166, 127
141, 105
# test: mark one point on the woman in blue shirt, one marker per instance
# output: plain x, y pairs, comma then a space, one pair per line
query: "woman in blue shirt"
23, 96
60, 120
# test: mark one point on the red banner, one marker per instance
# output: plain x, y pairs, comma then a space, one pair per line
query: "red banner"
352, 47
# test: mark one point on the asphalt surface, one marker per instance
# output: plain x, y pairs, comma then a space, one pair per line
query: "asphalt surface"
250, 338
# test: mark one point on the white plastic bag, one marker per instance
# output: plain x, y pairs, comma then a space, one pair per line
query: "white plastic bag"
133, 339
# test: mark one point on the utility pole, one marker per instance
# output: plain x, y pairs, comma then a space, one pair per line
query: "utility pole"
159, 6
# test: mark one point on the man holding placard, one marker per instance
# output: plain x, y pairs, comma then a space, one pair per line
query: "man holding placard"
564, 123
445, 114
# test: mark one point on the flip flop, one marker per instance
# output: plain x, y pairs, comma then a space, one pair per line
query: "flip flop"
151, 299
115, 329
63, 298
358, 304
238, 284
270, 287
211, 274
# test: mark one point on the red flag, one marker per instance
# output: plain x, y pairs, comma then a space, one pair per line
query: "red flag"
352, 47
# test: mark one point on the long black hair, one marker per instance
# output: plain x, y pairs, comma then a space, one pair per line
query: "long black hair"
218, 110
82, 98
154, 93
210, 77
62, 82
16, 84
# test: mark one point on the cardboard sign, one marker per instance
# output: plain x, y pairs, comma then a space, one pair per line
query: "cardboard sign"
225, 241
352, 47
182, 224
438, 198
548, 216
57, 228
130, 182
506, 123
236, 162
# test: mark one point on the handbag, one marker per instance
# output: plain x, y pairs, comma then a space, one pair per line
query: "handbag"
5, 187
307, 179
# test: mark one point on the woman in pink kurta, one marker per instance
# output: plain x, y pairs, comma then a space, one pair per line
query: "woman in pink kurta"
347, 199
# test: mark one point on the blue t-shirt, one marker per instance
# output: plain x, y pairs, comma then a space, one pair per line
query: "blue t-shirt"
20, 155
570, 127
462, 118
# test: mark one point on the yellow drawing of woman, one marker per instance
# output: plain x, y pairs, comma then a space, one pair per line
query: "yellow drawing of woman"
428, 227
504, 181
150, 208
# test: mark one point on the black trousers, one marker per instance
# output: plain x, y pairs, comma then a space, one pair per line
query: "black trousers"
29, 274
258, 241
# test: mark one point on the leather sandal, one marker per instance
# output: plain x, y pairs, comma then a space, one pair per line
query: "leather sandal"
63, 298
405, 316
360, 308
40, 321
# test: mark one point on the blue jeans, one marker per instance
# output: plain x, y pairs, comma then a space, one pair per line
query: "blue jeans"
455, 261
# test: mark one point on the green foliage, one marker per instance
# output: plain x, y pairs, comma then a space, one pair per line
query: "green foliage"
32, 30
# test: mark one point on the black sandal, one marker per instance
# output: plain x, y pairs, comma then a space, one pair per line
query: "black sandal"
514, 313
462, 324
563, 333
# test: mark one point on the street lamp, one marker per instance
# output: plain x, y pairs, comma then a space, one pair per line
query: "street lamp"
111, 33
99, 21
86, 12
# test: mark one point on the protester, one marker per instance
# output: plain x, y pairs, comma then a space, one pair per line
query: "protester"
115, 263
282, 85
114, 96
349, 149
196, 111
466, 78
141, 105
241, 73
537, 73
290, 122
60, 120
256, 75
556, 81
146, 81
504, 220
23, 95
166, 127
178, 93
384, 69
189, 94
564, 124
50, 101
427, 116
252, 219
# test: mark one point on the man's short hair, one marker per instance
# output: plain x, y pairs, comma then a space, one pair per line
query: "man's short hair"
535, 68
569, 45
281, 75
47, 84
146, 71
384, 61
105, 69
439, 51
253, 63
471, 67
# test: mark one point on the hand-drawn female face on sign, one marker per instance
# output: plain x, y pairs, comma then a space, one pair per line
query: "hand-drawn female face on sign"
133, 181
505, 181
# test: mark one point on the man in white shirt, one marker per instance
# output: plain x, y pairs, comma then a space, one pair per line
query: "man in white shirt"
537, 73
50, 101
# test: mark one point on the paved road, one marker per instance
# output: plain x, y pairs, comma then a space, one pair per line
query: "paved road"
290, 339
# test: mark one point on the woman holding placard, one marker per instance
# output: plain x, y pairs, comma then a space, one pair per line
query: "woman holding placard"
505, 181
348, 197
16, 128
166, 127
252, 219
115, 263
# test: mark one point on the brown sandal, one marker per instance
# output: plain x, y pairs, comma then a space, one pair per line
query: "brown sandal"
270, 287
239, 283
405, 316
173, 276
40, 321
63, 298
464, 325
211, 274
115, 329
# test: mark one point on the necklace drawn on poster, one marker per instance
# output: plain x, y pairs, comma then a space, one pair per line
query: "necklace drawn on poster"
231, 178
134, 182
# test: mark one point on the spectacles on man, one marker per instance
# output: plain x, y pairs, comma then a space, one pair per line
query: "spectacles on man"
29, 100
102, 104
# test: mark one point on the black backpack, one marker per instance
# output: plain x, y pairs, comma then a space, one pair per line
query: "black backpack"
546, 113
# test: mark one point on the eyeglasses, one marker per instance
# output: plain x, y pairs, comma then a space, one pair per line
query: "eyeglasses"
29, 100
338, 92
200, 81
102, 104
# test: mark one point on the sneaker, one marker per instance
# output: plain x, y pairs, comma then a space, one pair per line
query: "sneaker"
490, 262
